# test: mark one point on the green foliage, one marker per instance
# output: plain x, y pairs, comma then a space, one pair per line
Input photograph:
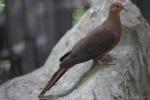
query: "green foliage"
2, 5
1, 1
78, 12
4, 68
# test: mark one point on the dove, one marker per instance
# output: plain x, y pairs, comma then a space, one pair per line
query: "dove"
96, 44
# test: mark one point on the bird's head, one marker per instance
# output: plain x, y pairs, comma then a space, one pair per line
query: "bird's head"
117, 7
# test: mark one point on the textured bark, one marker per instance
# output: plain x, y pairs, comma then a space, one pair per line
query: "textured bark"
127, 79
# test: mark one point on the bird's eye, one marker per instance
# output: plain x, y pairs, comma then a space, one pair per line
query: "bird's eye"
117, 6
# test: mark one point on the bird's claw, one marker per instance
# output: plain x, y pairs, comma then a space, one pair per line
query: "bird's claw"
106, 60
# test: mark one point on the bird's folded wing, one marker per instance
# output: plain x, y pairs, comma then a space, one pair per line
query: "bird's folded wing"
93, 45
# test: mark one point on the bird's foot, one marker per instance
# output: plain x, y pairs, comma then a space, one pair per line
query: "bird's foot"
101, 62
106, 60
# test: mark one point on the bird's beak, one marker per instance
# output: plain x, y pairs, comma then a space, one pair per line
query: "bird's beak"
125, 9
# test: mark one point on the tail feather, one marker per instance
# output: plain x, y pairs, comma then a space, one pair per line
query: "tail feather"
64, 56
61, 71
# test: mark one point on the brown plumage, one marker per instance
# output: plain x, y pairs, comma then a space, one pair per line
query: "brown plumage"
98, 42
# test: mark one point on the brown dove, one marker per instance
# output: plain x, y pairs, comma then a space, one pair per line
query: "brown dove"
95, 45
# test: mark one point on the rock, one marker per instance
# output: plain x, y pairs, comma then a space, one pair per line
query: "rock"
127, 79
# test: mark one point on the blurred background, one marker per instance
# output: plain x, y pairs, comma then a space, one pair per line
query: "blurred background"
29, 29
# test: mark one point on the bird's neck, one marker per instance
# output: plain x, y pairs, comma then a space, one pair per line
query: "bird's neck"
114, 22
113, 15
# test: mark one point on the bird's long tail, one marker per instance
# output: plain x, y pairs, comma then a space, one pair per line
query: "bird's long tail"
57, 75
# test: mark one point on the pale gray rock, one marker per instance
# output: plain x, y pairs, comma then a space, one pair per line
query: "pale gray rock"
127, 79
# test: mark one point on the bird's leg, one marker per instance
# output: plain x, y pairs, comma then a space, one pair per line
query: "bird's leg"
104, 60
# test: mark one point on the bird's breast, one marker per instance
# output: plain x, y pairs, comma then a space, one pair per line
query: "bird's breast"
117, 38
116, 30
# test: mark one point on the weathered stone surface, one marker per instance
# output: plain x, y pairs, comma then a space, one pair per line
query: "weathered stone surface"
128, 78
